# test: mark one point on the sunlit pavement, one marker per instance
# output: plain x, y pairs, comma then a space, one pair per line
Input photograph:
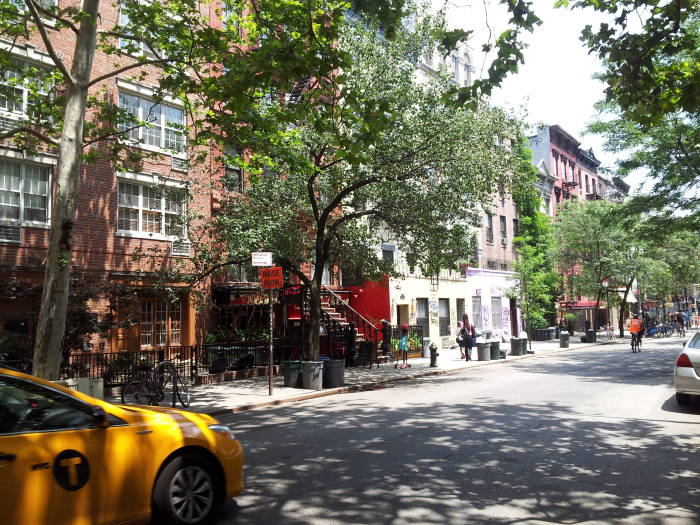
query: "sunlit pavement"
590, 435
244, 394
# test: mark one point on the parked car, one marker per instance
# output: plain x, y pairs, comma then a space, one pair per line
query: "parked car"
68, 458
686, 375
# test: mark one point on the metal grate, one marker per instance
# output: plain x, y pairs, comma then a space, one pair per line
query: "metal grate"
180, 248
179, 164
10, 234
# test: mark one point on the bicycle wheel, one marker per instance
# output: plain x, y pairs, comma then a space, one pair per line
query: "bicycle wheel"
137, 392
181, 390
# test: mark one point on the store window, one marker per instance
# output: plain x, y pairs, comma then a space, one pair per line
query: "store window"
160, 323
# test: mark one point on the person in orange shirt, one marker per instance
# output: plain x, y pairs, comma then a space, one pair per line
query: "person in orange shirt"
636, 331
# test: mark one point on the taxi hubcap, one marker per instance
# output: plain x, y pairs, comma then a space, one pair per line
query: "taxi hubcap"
191, 494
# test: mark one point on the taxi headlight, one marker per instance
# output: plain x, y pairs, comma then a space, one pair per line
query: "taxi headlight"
222, 430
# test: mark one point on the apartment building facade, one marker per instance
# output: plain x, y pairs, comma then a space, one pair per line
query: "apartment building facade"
130, 223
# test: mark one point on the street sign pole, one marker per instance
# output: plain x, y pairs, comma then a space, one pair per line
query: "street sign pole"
269, 371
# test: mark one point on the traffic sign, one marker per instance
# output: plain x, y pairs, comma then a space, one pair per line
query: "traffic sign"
261, 258
271, 277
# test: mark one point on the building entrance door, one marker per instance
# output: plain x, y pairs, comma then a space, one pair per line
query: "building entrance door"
401, 314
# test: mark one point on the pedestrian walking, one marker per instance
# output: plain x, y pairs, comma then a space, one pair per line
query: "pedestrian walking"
466, 335
403, 348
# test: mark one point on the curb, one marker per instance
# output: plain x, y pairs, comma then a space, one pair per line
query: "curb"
381, 383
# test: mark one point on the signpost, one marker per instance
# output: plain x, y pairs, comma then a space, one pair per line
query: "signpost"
270, 278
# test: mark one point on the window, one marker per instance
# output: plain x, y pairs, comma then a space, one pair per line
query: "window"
29, 407
388, 253
587, 185
151, 210
160, 323
489, 228
496, 312
444, 312
556, 163
16, 100
476, 311
163, 125
504, 227
127, 44
24, 192
422, 315
233, 174
460, 309
516, 227
504, 266
491, 265
594, 186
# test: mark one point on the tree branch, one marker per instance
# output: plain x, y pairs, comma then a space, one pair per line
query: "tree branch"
47, 42
127, 68
31, 131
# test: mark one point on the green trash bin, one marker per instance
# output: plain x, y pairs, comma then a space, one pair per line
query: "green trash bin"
495, 350
483, 351
292, 373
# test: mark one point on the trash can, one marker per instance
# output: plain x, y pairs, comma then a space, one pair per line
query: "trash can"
541, 334
551, 333
590, 336
495, 350
564, 340
515, 346
334, 373
312, 375
557, 332
483, 351
292, 373
523, 345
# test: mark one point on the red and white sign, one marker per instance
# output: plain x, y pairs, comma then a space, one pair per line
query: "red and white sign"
271, 277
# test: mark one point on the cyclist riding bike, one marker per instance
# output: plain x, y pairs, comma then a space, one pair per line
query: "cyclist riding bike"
636, 331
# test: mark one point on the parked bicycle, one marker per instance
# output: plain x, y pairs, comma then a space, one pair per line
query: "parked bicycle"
148, 386
21, 365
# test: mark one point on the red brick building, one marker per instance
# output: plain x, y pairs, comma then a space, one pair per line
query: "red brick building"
128, 224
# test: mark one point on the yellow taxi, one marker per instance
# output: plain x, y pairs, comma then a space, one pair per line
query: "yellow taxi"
67, 458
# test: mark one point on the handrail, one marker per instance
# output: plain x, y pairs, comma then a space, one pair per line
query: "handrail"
358, 314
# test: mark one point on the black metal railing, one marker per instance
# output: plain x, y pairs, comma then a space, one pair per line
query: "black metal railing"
364, 327
224, 357
116, 368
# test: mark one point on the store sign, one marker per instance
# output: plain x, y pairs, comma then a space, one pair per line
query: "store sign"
261, 258
292, 294
271, 277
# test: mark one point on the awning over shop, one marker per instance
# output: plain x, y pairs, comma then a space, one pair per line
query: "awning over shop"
583, 305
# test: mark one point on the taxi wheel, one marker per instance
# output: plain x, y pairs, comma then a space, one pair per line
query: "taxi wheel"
185, 492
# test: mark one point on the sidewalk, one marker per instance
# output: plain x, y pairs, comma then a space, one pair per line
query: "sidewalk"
247, 394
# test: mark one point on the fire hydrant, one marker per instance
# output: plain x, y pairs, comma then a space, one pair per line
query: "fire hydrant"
433, 354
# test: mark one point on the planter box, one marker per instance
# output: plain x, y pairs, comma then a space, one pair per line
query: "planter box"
85, 385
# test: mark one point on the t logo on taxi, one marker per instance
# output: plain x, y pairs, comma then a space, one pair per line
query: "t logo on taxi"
71, 470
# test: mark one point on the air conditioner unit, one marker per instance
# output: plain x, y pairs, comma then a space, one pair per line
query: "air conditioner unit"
181, 248
178, 164
504, 241
10, 234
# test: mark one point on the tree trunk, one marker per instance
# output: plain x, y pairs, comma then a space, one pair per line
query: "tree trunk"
314, 335
621, 320
54, 299
595, 313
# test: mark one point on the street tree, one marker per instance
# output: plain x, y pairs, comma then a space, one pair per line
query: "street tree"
364, 149
595, 253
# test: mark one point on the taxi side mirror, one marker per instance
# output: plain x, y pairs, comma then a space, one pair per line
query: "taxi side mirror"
100, 415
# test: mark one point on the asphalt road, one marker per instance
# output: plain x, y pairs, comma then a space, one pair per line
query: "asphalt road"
585, 436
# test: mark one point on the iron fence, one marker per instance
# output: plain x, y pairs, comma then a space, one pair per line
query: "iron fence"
221, 357
116, 368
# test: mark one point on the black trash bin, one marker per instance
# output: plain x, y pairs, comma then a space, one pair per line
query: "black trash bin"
495, 350
334, 373
590, 336
515, 346
551, 333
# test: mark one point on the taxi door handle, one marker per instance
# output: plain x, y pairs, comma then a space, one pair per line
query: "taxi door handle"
7, 457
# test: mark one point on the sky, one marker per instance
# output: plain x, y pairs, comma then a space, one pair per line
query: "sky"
555, 84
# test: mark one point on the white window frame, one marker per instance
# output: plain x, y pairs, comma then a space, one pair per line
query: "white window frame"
146, 181
21, 221
24, 55
144, 93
